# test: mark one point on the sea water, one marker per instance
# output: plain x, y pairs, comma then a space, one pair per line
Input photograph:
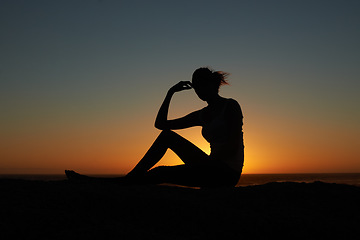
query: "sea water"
245, 179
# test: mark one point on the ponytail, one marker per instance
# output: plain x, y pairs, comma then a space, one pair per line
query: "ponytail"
220, 77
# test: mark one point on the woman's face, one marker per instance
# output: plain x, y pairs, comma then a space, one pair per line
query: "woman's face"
204, 89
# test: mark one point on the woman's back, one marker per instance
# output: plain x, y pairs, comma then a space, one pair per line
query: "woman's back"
223, 130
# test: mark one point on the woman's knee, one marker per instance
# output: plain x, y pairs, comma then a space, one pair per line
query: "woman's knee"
168, 134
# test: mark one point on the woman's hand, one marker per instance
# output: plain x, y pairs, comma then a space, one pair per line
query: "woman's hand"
182, 85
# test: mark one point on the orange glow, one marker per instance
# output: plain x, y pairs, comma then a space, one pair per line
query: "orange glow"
115, 146
112, 149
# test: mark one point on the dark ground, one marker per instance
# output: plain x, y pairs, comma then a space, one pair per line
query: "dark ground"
65, 210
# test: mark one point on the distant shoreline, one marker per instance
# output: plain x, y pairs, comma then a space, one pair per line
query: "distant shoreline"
245, 180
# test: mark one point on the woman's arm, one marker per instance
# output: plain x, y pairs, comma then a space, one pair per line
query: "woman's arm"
161, 118
189, 120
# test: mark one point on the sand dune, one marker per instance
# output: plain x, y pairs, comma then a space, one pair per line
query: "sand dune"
65, 210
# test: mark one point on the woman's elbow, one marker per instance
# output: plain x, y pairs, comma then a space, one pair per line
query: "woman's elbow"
160, 126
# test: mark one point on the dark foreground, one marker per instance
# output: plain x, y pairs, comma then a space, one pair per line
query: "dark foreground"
65, 210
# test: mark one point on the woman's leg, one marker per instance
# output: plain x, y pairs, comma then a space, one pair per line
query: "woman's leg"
187, 152
193, 157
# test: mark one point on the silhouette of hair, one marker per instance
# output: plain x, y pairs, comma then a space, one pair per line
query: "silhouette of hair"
217, 78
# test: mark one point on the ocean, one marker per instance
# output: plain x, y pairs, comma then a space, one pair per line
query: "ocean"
245, 180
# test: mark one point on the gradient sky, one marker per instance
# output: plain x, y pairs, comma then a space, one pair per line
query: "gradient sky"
81, 81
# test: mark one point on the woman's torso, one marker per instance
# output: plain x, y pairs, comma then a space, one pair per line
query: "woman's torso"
225, 137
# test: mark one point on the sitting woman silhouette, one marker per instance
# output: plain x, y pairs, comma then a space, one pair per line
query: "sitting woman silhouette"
221, 121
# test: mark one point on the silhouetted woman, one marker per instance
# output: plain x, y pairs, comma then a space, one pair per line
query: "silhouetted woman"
221, 123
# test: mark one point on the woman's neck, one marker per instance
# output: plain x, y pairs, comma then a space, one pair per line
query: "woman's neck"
215, 101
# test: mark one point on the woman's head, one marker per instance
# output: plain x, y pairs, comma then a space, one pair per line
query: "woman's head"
206, 82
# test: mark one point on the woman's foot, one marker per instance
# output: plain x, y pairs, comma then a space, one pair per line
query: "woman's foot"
72, 175
124, 181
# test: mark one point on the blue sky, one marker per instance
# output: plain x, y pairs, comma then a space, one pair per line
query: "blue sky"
294, 65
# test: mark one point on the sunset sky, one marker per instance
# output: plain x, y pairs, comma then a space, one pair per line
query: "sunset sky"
81, 81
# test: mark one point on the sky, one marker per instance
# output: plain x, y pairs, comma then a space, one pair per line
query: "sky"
81, 81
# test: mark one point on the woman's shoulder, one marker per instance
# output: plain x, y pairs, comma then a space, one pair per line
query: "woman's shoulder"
233, 103
233, 106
